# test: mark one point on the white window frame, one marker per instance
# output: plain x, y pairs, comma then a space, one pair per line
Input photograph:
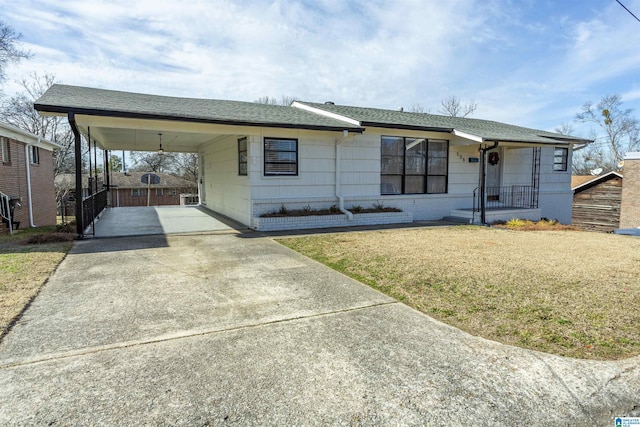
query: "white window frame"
34, 153
560, 159
4, 150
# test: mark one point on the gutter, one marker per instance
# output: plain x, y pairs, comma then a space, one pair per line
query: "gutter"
29, 195
339, 141
78, 158
52, 109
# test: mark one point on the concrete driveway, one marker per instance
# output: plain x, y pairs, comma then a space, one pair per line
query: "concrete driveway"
234, 329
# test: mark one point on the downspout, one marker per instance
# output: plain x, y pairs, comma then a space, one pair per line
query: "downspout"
483, 180
78, 152
345, 134
29, 196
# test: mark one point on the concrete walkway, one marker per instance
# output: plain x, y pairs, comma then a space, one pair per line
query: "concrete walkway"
221, 329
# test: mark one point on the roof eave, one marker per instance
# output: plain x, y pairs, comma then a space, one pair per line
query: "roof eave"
594, 181
406, 127
149, 116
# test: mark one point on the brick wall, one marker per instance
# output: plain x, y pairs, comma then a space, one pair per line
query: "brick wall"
42, 190
13, 182
630, 205
123, 197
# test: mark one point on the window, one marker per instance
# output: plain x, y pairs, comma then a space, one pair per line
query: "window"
280, 156
4, 150
138, 192
242, 156
35, 155
560, 159
413, 165
173, 192
159, 191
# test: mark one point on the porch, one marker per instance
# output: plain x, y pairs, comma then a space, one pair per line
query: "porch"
500, 204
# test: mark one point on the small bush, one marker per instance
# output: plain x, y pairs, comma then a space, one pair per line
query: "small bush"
333, 209
283, 210
66, 227
50, 238
379, 206
356, 209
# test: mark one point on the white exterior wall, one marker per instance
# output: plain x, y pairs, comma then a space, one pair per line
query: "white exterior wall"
224, 190
556, 197
245, 197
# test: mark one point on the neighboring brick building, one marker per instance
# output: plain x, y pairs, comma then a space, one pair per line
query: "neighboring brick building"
127, 189
26, 174
630, 206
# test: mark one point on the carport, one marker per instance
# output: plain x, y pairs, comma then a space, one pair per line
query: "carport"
114, 120
110, 120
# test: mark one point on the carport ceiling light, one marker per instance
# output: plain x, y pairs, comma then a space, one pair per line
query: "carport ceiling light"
160, 150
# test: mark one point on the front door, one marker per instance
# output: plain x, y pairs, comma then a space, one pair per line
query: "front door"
494, 174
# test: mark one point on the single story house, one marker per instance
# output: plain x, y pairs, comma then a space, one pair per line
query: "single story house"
27, 196
597, 201
256, 158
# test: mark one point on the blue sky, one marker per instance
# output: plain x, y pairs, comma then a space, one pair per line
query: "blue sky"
532, 63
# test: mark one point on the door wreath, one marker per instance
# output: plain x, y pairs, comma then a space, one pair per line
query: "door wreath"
494, 158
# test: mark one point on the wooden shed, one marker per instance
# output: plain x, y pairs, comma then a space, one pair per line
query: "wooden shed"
596, 202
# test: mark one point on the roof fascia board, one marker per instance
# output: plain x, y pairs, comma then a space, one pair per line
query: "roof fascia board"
325, 113
406, 127
147, 116
595, 180
10, 131
468, 136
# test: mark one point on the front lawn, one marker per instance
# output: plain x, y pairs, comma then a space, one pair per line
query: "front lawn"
570, 293
25, 267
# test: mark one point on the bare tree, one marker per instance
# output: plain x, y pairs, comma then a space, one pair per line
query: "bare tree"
151, 162
186, 166
617, 130
285, 100
452, 106
9, 53
18, 110
417, 108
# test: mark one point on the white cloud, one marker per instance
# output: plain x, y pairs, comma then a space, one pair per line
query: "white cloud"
517, 63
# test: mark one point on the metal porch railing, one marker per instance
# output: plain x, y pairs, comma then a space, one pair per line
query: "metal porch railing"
6, 210
92, 206
508, 197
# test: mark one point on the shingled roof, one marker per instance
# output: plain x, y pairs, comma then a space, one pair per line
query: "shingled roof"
486, 129
63, 99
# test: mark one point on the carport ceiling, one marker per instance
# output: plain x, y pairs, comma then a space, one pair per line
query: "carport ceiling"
143, 135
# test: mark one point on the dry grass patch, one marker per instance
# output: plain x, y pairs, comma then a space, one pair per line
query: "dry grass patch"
25, 267
565, 292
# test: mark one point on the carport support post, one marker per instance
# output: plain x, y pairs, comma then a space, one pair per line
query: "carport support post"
78, 151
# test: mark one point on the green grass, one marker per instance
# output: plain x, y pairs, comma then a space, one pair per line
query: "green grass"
564, 292
24, 268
